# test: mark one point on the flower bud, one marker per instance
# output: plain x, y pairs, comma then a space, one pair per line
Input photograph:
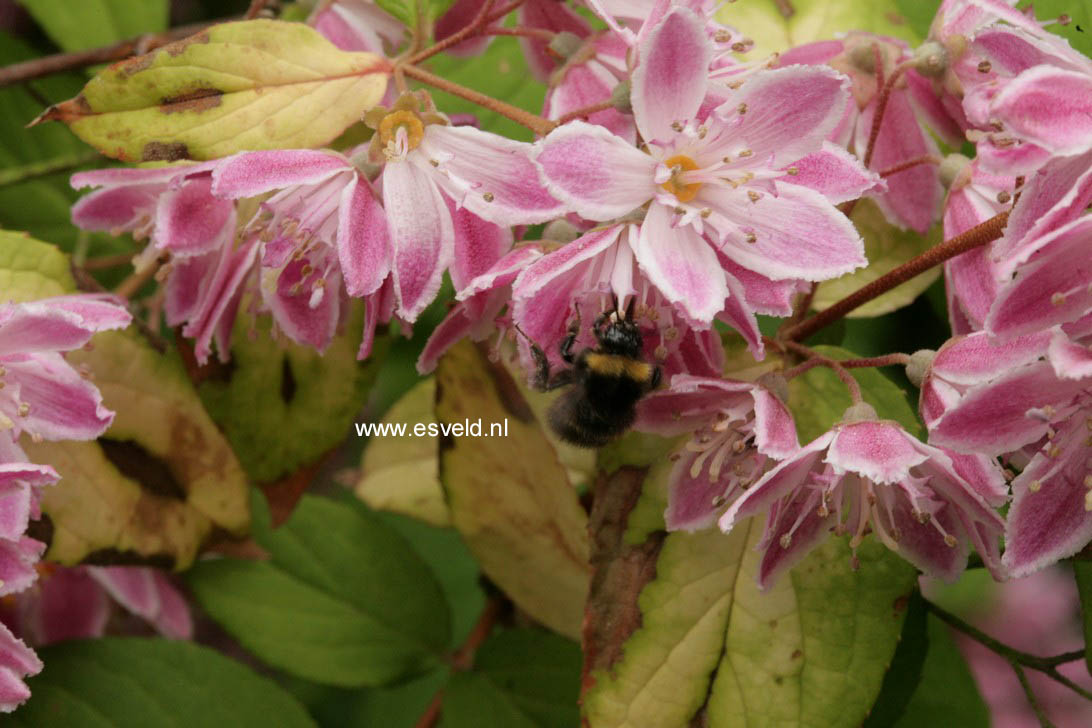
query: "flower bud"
919, 363
565, 44
950, 169
619, 97
931, 59
860, 412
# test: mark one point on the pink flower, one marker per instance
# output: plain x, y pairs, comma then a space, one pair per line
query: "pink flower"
478, 309
926, 504
1005, 399
912, 196
324, 226
78, 602
581, 83
358, 25
737, 429
17, 661
42, 395
171, 205
972, 279
426, 164
718, 188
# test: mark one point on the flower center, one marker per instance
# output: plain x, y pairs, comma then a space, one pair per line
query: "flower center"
411, 122
679, 164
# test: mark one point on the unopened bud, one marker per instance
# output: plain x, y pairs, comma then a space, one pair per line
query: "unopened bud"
919, 364
565, 44
619, 98
860, 412
560, 230
951, 168
931, 59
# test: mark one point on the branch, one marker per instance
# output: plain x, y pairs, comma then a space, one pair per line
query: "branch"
819, 360
1046, 665
47, 65
585, 111
535, 123
463, 658
472, 28
977, 236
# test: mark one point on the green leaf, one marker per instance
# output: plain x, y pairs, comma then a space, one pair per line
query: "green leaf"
501, 72
1078, 31
818, 399
919, 14
904, 674
813, 20
398, 706
452, 565
257, 84
1082, 572
947, 693
92, 23
343, 600
120, 682
154, 487
36, 163
282, 405
510, 497
522, 678
812, 650
887, 248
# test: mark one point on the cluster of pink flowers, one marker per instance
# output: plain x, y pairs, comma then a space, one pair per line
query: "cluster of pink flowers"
706, 191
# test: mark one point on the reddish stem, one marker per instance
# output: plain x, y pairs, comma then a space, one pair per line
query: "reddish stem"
881, 107
48, 65
819, 360
539, 33
887, 360
463, 658
585, 111
535, 123
908, 164
473, 27
977, 236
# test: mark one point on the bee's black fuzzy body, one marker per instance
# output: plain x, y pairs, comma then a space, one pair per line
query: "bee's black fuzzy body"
605, 382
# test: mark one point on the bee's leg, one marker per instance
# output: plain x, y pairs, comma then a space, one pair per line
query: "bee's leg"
541, 381
567, 343
656, 376
561, 379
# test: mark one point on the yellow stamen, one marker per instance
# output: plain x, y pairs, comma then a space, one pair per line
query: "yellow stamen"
415, 129
683, 192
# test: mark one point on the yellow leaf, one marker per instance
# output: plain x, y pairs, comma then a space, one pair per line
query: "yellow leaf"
510, 497
258, 84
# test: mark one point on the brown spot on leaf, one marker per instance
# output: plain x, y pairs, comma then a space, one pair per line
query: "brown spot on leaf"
900, 604
179, 46
198, 100
66, 111
135, 65
151, 472
164, 152
797, 654
619, 571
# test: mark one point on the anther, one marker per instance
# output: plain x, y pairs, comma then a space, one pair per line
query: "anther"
785, 541
792, 171
745, 153
984, 67
24, 409
1035, 485
1003, 196
677, 125
1057, 298
705, 212
750, 238
742, 108
488, 196
950, 540
753, 196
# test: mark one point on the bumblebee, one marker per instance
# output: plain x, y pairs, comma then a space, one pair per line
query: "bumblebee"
605, 382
